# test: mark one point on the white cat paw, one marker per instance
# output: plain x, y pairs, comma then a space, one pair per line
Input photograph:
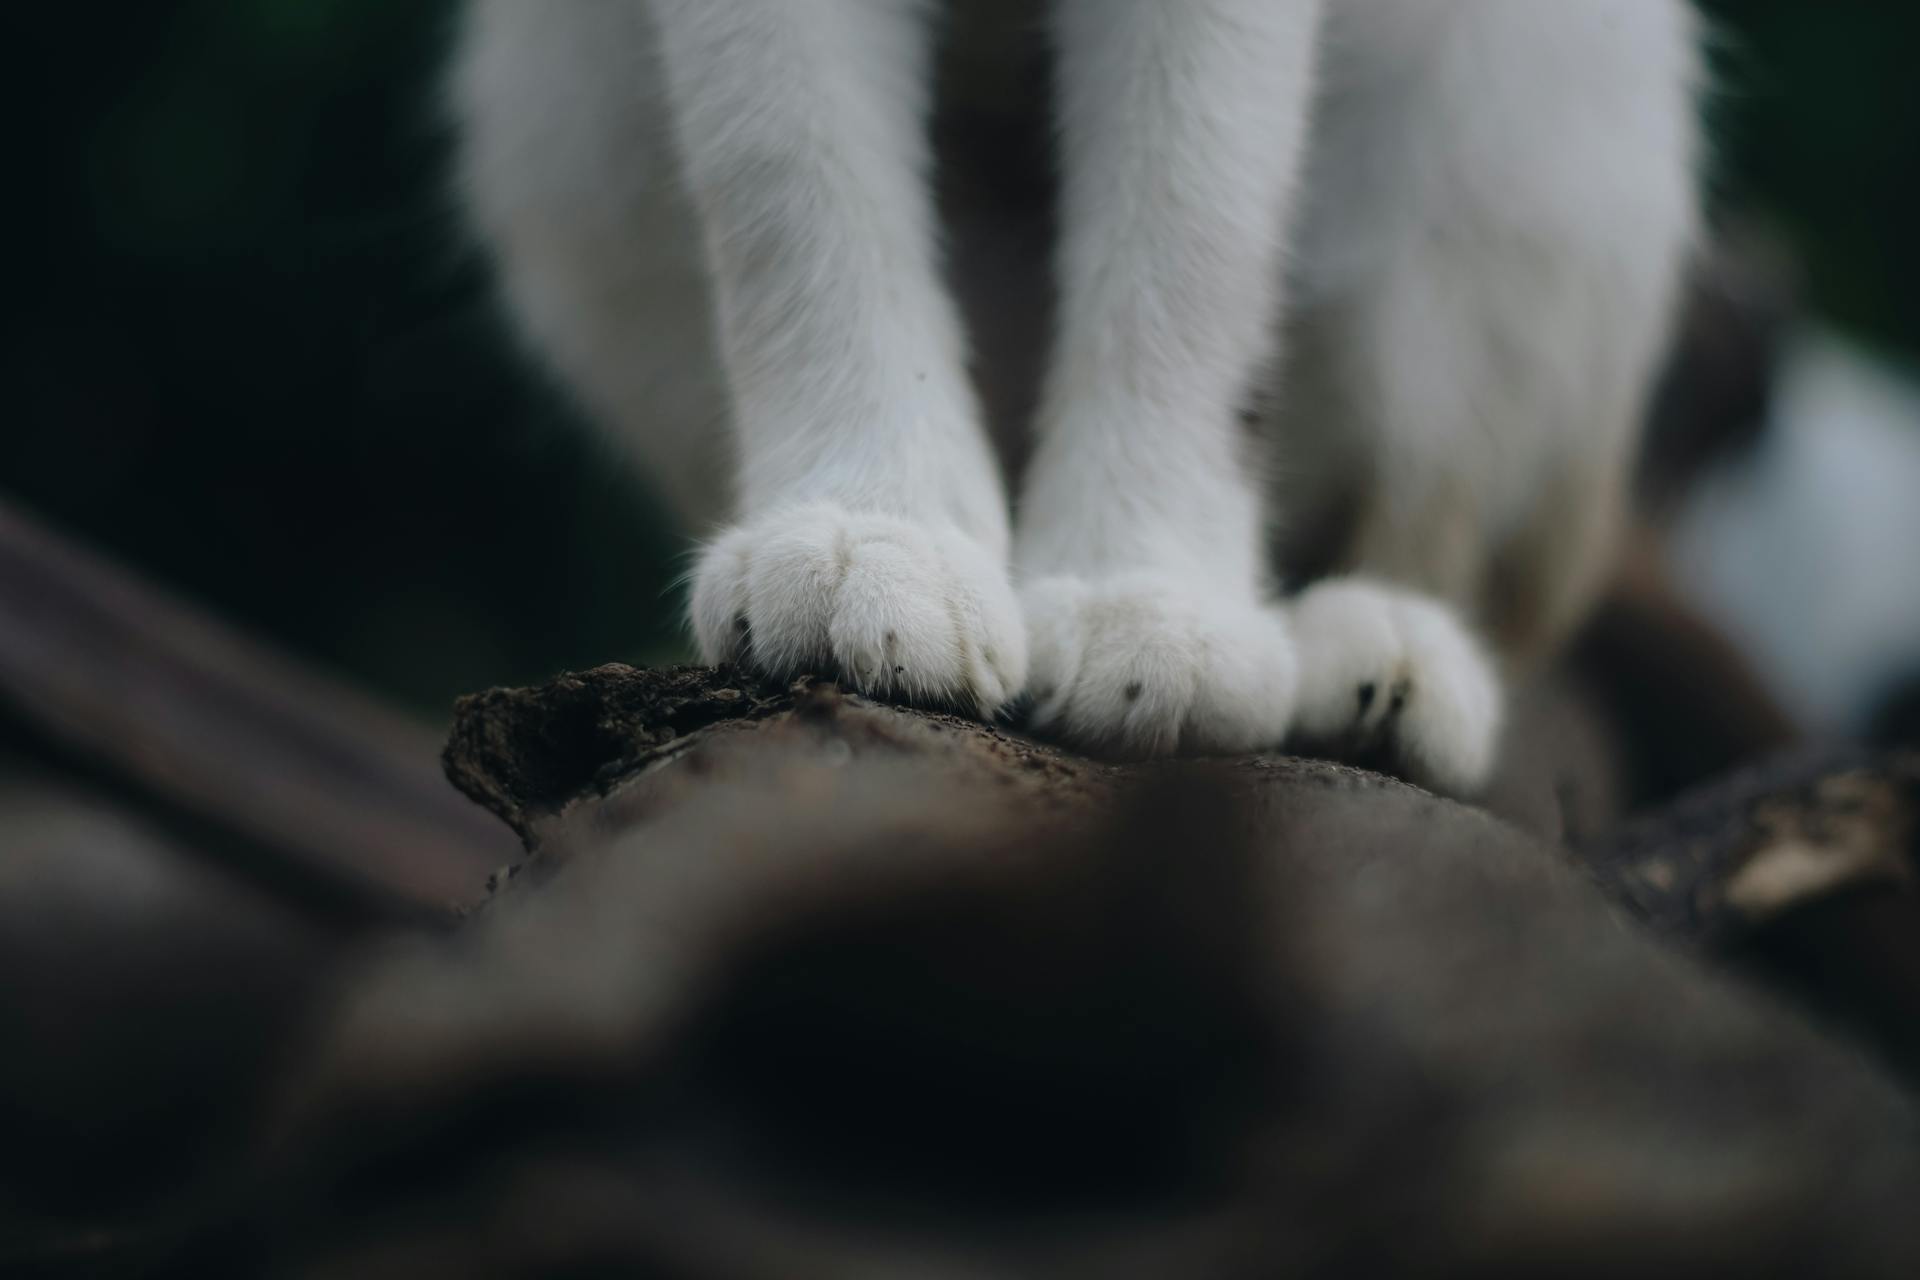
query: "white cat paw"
1142, 665
891, 607
1391, 677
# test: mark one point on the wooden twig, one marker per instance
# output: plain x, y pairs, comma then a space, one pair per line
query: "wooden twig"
312, 776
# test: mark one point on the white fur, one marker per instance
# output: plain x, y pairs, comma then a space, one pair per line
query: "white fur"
1499, 199
713, 209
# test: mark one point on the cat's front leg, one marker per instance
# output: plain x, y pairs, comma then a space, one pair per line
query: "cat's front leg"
873, 534
1140, 550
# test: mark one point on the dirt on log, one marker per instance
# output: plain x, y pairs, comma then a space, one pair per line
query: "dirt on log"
796, 983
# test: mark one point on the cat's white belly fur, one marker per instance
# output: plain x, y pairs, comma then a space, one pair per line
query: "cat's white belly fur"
1465, 216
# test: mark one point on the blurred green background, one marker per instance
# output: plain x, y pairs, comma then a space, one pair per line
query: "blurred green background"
254, 357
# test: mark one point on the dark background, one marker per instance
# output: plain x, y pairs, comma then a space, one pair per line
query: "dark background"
250, 353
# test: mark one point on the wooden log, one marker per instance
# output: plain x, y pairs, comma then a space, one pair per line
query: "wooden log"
1711, 868
797, 983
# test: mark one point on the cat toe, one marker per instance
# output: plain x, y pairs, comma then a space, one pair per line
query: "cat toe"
889, 606
1392, 679
1135, 667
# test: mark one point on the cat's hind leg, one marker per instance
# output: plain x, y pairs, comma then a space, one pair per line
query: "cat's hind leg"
1501, 194
566, 172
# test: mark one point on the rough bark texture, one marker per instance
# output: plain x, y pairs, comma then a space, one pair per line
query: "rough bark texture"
1715, 866
793, 983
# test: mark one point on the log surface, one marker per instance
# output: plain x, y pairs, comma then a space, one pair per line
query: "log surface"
793, 982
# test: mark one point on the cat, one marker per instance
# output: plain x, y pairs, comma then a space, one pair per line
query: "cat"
1356, 300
